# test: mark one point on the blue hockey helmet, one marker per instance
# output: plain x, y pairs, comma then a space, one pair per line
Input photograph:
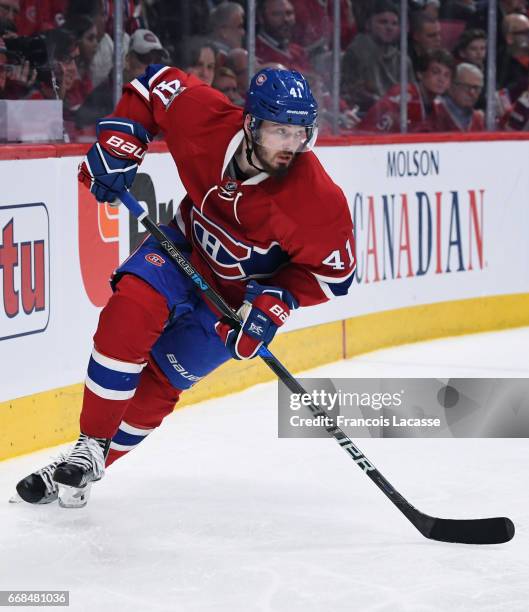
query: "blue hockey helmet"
282, 96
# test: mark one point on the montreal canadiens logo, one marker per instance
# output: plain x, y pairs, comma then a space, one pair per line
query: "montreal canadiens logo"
155, 259
260, 79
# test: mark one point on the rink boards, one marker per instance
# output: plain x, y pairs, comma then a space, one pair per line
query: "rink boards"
441, 245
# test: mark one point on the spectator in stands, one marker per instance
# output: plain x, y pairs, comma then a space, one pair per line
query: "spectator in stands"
95, 9
145, 48
425, 7
513, 63
362, 11
425, 36
226, 27
40, 15
276, 20
3, 68
434, 78
175, 21
516, 119
85, 32
58, 77
472, 48
9, 12
348, 25
226, 82
132, 15
199, 58
20, 73
456, 111
104, 58
313, 27
347, 118
461, 10
237, 62
505, 7
508, 7
371, 63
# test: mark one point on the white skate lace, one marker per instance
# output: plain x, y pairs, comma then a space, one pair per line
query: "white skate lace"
88, 455
46, 472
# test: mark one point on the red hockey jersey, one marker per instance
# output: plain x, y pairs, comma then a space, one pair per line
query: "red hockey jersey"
294, 232
445, 121
384, 115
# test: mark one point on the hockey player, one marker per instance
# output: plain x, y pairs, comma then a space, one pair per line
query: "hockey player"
261, 221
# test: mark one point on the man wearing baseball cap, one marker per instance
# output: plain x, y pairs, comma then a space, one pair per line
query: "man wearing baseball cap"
144, 48
147, 48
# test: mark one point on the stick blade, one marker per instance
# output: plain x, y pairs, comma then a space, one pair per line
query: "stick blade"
477, 531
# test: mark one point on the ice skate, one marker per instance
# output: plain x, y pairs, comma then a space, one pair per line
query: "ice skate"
84, 464
39, 487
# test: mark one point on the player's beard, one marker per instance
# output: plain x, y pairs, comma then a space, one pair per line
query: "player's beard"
277, 170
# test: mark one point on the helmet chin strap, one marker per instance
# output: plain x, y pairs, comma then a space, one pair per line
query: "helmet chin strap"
249, 151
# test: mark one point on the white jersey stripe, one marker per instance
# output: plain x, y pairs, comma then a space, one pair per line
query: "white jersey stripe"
334, 279
139, 87
155, 76
325, 288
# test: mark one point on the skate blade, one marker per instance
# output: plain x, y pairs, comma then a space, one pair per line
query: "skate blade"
16, 499
74, 497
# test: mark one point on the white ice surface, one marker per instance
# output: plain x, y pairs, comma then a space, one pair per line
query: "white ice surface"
214, 513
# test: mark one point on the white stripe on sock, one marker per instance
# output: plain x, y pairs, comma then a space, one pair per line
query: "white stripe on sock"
115, 364
122, 447
109, 394
135, 431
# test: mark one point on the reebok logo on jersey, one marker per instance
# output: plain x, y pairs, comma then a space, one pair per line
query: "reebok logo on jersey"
155, 259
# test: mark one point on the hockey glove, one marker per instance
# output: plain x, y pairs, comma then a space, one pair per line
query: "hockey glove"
112, 162
264, 310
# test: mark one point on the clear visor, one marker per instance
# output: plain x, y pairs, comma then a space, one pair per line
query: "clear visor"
279, 137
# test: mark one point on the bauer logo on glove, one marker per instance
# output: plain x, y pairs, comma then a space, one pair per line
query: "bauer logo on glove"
124, 148
111, 163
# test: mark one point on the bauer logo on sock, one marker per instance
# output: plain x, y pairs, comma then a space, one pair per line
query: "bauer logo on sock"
155, 259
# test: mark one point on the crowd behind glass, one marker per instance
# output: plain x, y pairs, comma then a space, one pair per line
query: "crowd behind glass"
64, 50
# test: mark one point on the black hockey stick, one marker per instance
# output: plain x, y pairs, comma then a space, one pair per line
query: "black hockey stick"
475, 531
